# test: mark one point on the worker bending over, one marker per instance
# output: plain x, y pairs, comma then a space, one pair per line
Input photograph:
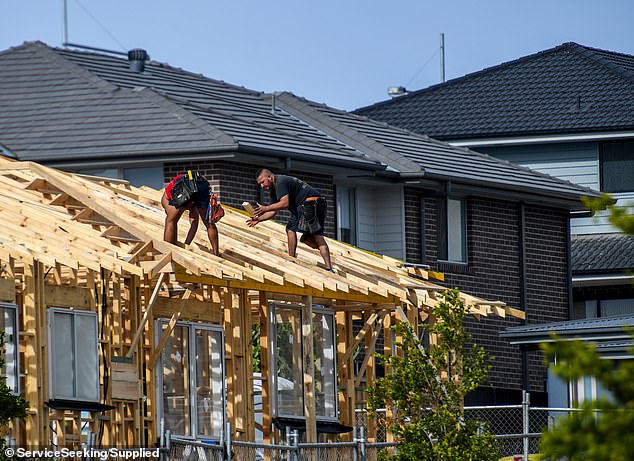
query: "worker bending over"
190, 192
307, 207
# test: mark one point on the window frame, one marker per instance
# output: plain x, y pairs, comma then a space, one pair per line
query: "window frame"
15, 385
53, 393
602, 173
351, 194
319, 309
192, 327
444, 230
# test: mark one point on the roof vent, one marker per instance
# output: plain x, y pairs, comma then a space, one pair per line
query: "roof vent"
395, 91
136, 59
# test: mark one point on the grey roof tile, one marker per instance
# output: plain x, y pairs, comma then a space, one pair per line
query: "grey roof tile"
63, 103
602, 253
570, 88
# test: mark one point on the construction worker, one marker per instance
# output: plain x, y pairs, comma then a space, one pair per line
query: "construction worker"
190, 192
307, 207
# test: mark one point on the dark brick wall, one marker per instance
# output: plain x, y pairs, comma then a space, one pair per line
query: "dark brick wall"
493, 272
235, 183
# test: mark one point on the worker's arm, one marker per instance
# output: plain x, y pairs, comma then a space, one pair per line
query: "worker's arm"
253, 221
282, 204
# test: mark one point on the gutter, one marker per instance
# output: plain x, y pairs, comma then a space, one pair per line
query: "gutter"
601, 280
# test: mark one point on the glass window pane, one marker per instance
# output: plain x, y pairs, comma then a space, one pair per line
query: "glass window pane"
8, 325
63, 356
324, 356
87, 364
209, 393
151, 176
288, 362
612, 307
175, 362
617, 166
346, 215
456, 239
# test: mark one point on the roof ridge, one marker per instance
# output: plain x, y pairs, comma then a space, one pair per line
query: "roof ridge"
291, 102
250, 122
593, 54
159, 64
51, 54
470, 75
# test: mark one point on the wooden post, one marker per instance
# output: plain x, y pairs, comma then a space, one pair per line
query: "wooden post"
265, 367
387, 352
309, 375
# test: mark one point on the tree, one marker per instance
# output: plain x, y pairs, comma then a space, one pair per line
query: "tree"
425, 390
11, 406
606, 434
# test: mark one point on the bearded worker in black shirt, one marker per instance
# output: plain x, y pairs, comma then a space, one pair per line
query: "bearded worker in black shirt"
307, 207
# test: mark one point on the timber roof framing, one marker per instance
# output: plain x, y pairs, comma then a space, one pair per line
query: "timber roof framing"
76, 221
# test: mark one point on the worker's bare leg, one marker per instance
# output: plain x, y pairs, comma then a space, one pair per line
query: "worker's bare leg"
291, 237
193, 226
212, 231
172, 215
318, 242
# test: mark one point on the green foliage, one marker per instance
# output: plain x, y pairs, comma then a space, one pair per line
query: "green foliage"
11, 406
604, 435
426, 387
607, 434
256, 348
618, 216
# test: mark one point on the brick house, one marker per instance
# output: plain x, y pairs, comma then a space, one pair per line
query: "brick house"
568, 112
494, 229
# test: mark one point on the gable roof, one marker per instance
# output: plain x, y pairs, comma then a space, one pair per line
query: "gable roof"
85, 223
567, 89
63, 104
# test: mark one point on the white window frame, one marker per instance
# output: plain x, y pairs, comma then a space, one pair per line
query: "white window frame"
13, 379
192, 327
53, 392
273, 359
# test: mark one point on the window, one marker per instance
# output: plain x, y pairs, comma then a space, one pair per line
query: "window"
151, 176
346, 215
617, 166
452, 237
288, 375
9, 325
74, 362
191, 380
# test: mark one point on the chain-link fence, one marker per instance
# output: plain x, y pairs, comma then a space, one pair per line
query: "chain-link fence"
517, 430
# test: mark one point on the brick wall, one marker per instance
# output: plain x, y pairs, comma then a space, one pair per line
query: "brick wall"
235, 183
493, 272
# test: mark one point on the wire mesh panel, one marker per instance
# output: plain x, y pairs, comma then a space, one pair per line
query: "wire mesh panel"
373, 450
190, 450
247, 451
343, 451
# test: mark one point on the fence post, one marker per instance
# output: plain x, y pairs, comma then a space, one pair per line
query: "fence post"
295, 445
526, 400
228, 441
362, 449
168, 445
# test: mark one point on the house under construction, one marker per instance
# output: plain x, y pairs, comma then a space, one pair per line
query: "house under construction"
113, 331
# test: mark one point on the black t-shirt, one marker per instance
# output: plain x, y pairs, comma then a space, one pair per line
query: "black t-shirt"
296, 189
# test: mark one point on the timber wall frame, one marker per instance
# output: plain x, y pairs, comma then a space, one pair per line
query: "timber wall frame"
95, 244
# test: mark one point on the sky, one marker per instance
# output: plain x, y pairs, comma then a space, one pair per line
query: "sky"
344, 53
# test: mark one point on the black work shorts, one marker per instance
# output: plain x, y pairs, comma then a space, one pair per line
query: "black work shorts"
296, 223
